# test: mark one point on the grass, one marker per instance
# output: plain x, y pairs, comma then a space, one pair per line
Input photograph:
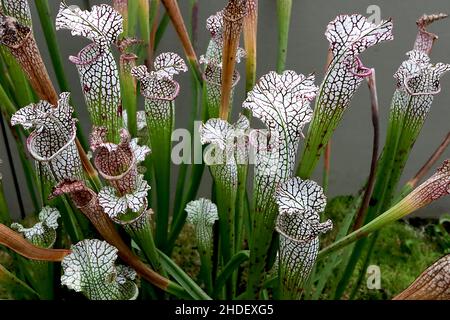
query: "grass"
402, 253
403, 250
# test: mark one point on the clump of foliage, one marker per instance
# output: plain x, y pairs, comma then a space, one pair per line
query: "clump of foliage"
105, 227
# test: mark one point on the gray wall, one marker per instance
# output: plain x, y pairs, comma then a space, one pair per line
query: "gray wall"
351, 148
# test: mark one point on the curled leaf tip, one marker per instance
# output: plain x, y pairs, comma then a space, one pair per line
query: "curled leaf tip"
80, 194
426, 19
425, 39
202, 209
299, 202
134, 202
352, 34
202, 214
306, 199
52, 143
159, 84
349, 36
227, 138
102, 24
169, 64
282, 101
43, 233
418, 77
218, 132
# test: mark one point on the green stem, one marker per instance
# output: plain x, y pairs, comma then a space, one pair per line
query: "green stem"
161, 29
347, 274
70, 218
40, 276
5, 103
28, 170
133, 9
128, 90
206, 270
396, 212
225, 194
326, 168
284, 18
362, 272
178, 291
8, 108
226, 202
48, 28
70, 221
160, 123
229, 269
5, 116
241, 198
409, 133
180, 217
22, 90
154, 6
319, 133
153, 25
391, 164
5, 218
143, 236
260, 243
16, 287
333, 260
406, 141
195, 108
144, 27
195, 178
186, 282
181, 184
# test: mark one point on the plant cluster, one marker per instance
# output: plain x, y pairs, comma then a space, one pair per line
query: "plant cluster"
107, 222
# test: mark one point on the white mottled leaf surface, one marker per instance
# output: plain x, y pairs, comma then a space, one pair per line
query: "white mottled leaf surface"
282, 103
102, 24
168, 64
91, 269
418, 81
300, 202
202, 214
115, 205
348, 35
43, 233
19, 9
52, 142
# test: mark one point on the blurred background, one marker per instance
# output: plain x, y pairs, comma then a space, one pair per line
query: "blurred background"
352, 142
